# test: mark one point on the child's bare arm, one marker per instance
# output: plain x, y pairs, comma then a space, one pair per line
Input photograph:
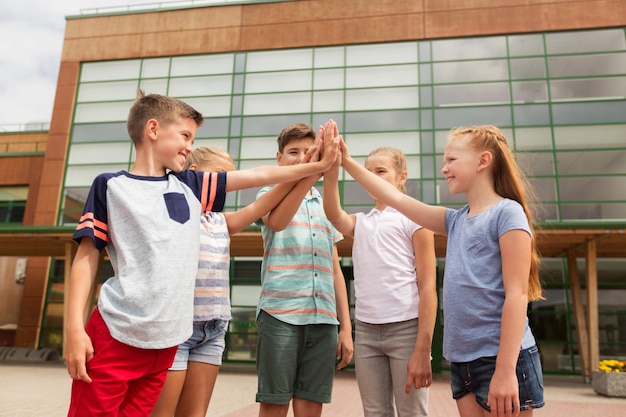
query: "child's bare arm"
78, 346
428, 216
342, 221
244, 217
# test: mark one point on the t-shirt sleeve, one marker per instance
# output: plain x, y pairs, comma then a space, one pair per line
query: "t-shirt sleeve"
93, 222
512, 217
209, 188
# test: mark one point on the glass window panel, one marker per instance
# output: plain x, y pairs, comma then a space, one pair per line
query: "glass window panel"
119, 90
426, 97
255, 148
529, 91
384, 53
614, 87
468, 71
533, 138
524, 68
155, 68
586, 65
328, 79
469, 48
154, 86
592, 188
382, 98
78, 196
544, 188
270, 125
467, 116
251, 163
83, 176
413, 167
100, 153
426, 74
278, 81
446, 95
585, 41
382, 121
279, 60
532, 115
566, 137
361, 144
111, 70
202, 65
520, 45
595, 211
102, 112
210, 106
353, 193
446, 198
592, 162
329, 57
277, 103
546, 212
381, 76
100, 132
424, 51
328, 101
213, 127
200, 86
589, 113
535, 163
245, 295
248, 195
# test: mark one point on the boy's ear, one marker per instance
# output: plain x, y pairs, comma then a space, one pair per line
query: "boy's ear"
279, 157
152, 128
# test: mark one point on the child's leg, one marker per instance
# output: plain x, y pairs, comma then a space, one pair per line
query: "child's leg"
372, 370
146, 380
168, 398
112, 369
205, 359
399, 342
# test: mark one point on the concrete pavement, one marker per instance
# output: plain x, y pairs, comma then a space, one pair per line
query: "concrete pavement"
42, 390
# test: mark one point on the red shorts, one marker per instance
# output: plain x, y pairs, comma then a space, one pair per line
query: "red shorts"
126, 381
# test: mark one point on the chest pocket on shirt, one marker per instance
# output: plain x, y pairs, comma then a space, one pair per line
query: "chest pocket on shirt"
177, 207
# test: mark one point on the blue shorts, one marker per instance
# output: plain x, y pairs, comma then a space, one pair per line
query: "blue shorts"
475, 376
294, 361
205, 345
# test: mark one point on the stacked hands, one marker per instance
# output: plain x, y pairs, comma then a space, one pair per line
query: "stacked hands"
328, 148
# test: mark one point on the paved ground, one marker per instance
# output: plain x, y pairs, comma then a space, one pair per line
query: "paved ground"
42, 390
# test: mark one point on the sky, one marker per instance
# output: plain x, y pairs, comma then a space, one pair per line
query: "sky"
31, 40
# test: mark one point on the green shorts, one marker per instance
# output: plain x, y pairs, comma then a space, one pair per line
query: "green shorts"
294, 361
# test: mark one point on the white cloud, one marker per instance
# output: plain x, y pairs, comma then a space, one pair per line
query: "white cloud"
30, 54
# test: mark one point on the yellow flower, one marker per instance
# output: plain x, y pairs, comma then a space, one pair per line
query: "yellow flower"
612, 365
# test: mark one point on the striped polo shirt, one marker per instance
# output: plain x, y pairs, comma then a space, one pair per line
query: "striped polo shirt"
297, 283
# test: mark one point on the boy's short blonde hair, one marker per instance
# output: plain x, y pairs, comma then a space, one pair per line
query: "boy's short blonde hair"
164, 109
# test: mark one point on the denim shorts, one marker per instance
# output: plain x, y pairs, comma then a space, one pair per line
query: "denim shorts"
294, 361
475, 376
205, 345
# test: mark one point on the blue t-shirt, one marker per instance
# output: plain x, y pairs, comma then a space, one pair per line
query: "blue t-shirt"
473, 290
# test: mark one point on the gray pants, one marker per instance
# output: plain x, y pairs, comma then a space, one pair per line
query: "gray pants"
382, 353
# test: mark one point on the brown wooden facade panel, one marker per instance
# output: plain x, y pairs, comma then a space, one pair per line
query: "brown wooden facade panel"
524, 18
321, 22
15, 170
